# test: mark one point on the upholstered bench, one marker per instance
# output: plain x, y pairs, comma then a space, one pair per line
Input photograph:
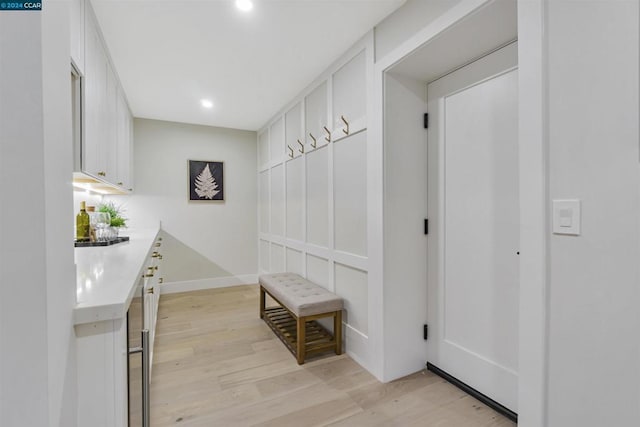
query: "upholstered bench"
301, 304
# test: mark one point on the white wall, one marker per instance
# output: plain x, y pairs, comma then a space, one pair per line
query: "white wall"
594, 296
24, 368
37, 293
206, 244
405, 208
314, 208
61, 271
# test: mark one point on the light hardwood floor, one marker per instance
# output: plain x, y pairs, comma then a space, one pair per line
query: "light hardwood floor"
218, 364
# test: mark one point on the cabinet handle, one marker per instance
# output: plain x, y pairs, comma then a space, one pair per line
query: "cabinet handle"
155, 267
328, 137
146, 379
314, 143
150, 290
159, 239
346, 131
161, 280
158, 244
156, 254
102, 173
291, 151
149, 273
120, 183
301, 149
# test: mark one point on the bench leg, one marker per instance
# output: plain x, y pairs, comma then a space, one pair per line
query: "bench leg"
262, 302
301, 349
337, 331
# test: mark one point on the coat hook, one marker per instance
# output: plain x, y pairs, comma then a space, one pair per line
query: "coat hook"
301, 149
328, 137
290, 149
346, 131
314, 143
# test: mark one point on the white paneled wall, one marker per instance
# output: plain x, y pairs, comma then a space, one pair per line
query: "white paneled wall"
295, 262
277, 201
277, 257
317, 183
263, 188
318, 270
295, 199
350, 194
276, 141
313, 189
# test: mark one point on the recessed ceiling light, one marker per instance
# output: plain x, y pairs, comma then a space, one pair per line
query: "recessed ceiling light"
206, 103
244, 5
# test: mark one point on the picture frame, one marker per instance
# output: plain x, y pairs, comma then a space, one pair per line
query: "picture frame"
206, 181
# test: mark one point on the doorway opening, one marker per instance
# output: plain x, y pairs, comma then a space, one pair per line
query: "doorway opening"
454, 314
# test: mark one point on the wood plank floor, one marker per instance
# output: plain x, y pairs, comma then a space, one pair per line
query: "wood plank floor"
216, 363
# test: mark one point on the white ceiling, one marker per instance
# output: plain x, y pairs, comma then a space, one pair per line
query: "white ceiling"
171, 54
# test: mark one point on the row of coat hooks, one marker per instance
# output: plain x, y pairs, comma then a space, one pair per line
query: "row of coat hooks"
314, 143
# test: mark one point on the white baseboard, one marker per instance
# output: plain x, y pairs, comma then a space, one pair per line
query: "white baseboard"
211, 283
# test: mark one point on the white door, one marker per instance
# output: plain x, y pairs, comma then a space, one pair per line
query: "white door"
474, 216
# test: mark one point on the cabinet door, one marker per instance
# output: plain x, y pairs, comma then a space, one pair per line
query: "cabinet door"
293, 131
123, 149
111, 125
94, 158
77, 34
350, 97
316, 116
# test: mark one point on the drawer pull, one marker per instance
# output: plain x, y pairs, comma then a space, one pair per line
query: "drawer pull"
161, 280
150, 290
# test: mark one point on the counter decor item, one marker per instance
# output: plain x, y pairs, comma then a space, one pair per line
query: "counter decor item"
105, 224
117, 220
83, 228
206, 181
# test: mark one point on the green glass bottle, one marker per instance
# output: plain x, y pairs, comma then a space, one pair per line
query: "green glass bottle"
82, 225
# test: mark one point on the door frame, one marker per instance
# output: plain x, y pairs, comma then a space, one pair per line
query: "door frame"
494, 64
533, 163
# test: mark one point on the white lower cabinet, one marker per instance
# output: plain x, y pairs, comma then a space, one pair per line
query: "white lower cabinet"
107, 373
102, 373
152, 281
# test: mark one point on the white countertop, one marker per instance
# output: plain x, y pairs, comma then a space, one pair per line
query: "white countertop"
107, 276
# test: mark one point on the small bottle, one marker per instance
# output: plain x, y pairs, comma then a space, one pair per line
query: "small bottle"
91, 210
83, 233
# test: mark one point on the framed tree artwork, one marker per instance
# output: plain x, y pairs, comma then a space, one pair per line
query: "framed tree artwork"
206, 181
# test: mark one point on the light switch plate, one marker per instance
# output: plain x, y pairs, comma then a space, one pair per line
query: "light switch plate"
566, 217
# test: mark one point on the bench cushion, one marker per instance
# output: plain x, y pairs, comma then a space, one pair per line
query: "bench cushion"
300, 296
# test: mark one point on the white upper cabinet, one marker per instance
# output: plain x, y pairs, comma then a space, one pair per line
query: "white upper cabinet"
111, 126
316, 117
350, 98
294, 136
77, 33
276, 141
94, 146
107, 120
124, 146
